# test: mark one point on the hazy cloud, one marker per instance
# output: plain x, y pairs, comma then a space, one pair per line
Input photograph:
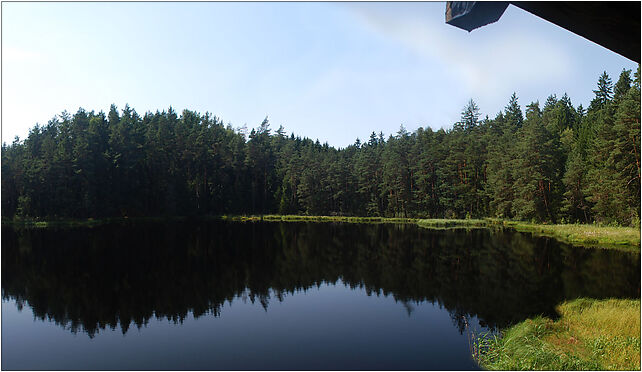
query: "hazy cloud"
483, 63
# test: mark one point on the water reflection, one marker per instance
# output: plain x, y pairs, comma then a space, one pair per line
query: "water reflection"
123, 275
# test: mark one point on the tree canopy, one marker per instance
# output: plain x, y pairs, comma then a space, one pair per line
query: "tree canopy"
556, 163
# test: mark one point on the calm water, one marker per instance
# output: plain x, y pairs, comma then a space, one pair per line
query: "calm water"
216, 295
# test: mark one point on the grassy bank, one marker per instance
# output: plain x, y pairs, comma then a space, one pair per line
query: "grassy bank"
88, 222
297, 218
627, 238
589, 335
438, 223
579, 234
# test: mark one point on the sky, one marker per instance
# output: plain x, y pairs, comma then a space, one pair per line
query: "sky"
331, 71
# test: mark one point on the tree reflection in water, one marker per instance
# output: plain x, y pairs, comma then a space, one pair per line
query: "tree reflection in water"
88, 279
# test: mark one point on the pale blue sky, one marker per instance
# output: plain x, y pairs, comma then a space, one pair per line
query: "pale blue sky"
332, 71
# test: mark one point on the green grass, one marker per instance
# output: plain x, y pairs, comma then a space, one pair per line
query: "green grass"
587, 235
438, 223
297, 218
579, 234
35, 223
589, 335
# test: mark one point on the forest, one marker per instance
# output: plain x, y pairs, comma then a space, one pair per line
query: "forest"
554, 164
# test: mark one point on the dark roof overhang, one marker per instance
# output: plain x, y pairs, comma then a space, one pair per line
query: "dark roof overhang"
614, 25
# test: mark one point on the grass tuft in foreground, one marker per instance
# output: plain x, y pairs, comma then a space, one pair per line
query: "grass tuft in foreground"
589, 335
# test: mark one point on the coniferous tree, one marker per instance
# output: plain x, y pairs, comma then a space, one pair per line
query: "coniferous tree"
501, 162
604, 187
513, 114
369, 170
536, 171
603, 93
623, 85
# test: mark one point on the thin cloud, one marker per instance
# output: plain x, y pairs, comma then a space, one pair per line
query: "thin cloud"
477, 63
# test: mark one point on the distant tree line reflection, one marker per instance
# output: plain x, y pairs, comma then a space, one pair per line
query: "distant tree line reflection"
119, 275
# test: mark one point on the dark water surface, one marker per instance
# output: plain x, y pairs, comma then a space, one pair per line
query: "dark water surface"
221, 295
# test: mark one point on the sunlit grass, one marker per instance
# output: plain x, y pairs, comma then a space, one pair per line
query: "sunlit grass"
589, 335
583, 234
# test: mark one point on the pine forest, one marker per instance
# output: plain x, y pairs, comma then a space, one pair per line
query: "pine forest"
547, 163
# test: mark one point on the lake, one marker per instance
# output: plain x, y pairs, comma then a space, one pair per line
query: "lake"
267, 295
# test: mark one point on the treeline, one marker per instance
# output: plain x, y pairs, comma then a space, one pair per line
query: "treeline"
557, 163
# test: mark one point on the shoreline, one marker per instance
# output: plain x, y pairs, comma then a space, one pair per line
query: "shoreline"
586, 235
